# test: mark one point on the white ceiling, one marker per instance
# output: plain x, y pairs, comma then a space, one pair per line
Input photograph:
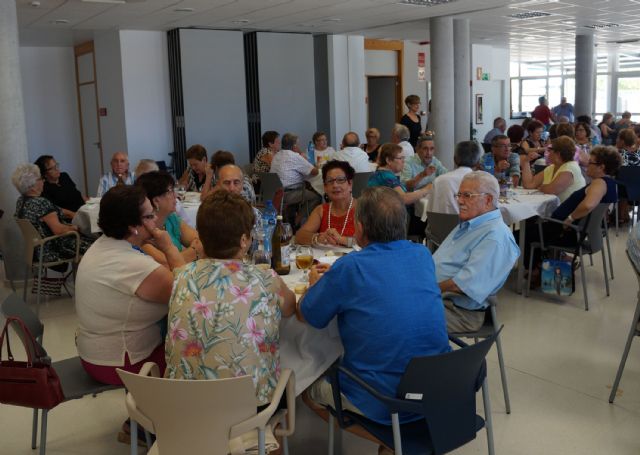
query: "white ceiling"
538, 37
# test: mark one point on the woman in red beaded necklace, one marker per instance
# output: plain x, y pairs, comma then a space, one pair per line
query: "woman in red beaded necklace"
332, 223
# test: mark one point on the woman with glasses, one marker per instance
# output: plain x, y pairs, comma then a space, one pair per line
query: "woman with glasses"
390, 165
58, 187
45, 216
333, 222
372, 146
562, 177
158, 187
121, 292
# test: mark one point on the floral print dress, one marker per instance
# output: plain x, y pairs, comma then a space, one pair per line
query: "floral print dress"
224, 319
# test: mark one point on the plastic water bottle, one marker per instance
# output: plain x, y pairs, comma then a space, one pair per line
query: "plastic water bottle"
311, 152
269, 220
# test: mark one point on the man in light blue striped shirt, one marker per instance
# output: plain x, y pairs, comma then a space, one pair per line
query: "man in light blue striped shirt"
422, 168
119, 173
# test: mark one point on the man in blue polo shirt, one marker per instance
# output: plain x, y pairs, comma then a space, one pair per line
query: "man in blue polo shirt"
387, 302
475, 259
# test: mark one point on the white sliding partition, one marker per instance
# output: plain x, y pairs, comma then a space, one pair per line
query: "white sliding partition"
287, 84
214, 92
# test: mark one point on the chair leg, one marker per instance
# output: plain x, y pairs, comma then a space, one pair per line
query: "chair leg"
285, 440
397, 439
584, 283
43, 433
503, 373
261, 442
133, 434
331, 434
34, 429
623, 362
606, 238
606, 275
147, 438
533, 249
39, 289
27, 272
488, 421
617, 221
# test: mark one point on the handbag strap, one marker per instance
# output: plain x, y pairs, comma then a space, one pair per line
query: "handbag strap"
27, 336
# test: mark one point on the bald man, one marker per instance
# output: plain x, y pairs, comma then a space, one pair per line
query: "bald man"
119, 173
352, 153
231, 179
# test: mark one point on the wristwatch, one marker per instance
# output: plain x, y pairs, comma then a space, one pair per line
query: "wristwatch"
570, 218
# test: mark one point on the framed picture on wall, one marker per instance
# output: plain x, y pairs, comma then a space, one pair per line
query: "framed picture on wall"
479, 109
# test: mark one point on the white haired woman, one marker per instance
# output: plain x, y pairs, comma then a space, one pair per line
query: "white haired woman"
46, 217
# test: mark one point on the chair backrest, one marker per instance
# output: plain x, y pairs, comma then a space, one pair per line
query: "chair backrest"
447, 384
14, 306
537, 168
269, 184
629, 177
439, 225
593, 227
360, 181
30, 236
193, 416
12, 247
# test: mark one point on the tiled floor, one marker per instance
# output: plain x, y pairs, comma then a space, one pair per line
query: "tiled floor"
561, 363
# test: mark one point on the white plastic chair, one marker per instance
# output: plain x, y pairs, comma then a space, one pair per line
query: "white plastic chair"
208, 416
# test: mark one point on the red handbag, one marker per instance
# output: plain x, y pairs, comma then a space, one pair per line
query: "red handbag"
34, 383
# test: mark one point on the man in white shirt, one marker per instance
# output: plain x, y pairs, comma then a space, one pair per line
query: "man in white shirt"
400, 135
352, 153
119, 174
445, 187
293, 169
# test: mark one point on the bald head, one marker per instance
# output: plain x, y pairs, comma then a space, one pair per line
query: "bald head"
120, 163
350, 139
230, 178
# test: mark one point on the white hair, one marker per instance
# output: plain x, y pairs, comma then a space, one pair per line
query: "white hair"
401, 131
25, 177
487, 183
146, 165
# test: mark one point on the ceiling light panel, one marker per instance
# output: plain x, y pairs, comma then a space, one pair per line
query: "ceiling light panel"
529, 15
425, 2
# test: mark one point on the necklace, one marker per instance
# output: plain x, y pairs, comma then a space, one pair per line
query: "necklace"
346, 217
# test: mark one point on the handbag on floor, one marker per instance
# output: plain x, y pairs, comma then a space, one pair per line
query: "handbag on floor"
34, 383
51, 286
557, 277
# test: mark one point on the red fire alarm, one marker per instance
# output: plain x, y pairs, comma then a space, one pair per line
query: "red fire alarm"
102, 112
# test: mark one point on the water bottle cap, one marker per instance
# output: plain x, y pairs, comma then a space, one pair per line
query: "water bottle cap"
269, 202
279, 217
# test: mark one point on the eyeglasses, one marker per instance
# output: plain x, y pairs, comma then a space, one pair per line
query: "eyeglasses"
398, 157
152, 216
338, 180
467, 195
56, 167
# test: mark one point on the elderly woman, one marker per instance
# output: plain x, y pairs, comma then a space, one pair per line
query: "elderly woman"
627, 144
218, 160
146, 165
533, 141
239, 304
391, 163
604, 162
47, 218
372, 146
195, 177
158, 187
332, 223
323, 152
58, 186
412, 118
607, 130
121, 293
562, 177
270, 146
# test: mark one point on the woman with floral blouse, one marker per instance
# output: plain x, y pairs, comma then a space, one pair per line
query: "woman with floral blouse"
224, 315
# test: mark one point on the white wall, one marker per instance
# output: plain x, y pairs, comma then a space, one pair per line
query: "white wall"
410, 83
51, 109
495, 61
110, 95
381, 63
347, 86
147, 100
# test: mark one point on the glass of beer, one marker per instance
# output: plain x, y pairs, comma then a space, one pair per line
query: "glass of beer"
304, 260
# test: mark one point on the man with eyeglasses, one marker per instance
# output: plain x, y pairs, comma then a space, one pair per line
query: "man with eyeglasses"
502, 162
475, 259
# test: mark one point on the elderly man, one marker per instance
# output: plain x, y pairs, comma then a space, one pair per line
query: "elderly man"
502, 162
542, 113
499, 127
385, 317
563, 109
443, 195
400, 135
352, 153
475, 259
231, 178
422, 168
119, 174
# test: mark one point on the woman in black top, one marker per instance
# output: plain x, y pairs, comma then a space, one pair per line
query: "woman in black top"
58, 187
372, 146
412, 119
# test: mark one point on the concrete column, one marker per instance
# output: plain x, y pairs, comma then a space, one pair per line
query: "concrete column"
461, 80
442, 88
585, 74
13, 136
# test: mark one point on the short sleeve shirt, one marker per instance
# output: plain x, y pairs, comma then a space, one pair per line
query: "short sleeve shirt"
290, 167
574, 169
384, 177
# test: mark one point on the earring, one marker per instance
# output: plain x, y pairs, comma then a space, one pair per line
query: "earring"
135, 232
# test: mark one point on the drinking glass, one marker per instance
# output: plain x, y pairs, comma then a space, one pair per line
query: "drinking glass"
304, 260
262, 259
181, 192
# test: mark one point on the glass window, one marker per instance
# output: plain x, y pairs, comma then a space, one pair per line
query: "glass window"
533, 69
629, 62
555, 91
514, 69
532, 89
602, 93
628, 94
569, 89
515, 95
